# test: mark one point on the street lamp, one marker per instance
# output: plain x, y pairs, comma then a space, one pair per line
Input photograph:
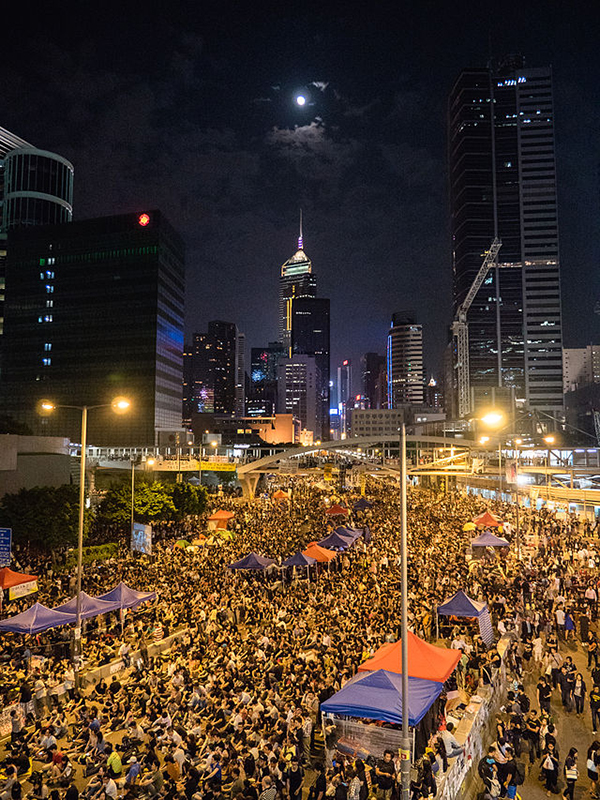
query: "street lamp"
405, 740
119, 405
494, 419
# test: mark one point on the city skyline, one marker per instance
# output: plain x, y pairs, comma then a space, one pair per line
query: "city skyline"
364, 157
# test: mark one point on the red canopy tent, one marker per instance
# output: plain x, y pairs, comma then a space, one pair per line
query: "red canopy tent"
319, 553
336, 510
424, 660
280, 495
487, 520
219, 519
9, 578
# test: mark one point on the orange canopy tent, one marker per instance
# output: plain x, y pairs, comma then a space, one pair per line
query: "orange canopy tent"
10, 578
487, 520
424, 660
280, 495
319, 553
219, 519
336, 510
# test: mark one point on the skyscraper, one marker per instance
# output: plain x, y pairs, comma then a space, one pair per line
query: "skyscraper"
263, 376
405, 362
310, 336
503, 183
217, 370
94, 309
344, 394
371, 366
298, 382
36, 188
296, 280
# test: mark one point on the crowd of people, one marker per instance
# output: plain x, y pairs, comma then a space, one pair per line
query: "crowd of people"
232, 708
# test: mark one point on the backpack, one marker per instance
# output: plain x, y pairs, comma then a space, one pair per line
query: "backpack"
484, 768
519, 777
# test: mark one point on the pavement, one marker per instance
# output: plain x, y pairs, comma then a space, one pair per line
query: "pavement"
573, 731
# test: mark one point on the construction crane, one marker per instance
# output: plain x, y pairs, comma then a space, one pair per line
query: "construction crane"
460, 331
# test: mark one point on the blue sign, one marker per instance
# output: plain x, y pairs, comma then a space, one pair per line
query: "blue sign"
5, 546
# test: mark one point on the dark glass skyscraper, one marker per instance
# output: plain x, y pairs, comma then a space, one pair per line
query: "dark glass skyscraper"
296, 280
94, 309
263, 376
216, 371
503, 182
310, 336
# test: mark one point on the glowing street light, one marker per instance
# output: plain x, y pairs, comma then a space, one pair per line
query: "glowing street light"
119, 405
484, 440
493, 419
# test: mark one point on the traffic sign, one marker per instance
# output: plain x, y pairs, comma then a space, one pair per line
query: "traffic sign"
5, 546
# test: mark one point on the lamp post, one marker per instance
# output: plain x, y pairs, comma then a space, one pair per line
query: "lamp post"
405, 741
119, 405
518, 531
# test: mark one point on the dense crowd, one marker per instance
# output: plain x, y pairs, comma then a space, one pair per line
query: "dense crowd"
231, 709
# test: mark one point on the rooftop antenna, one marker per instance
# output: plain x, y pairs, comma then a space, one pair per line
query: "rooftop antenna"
300, 238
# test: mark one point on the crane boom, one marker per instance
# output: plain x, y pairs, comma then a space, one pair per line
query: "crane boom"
460, 330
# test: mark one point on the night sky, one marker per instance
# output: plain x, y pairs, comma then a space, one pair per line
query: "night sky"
190, 108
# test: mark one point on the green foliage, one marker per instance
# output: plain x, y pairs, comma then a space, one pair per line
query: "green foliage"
188, 500
45, 517
95, 553
154, 502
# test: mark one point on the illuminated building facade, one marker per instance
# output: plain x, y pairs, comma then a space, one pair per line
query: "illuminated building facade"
296, 281
263, 379
298, 384
310, 336
405, 362
94, 309
216, 371
503, 182
36, 188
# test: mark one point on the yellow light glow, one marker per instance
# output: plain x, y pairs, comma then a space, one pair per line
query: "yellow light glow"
214, 444
120, 405
493, 419
518, 441
150, 462
484, 440
549, 439
48, 406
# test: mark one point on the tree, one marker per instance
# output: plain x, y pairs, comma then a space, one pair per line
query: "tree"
189, 501
44, 517
152, 502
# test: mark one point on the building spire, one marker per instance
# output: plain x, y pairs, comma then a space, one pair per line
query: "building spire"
300, 238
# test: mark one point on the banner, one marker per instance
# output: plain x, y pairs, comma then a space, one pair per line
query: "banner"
5, 546
217, 466
22, 590
328, 472
511, 471
141, 538
363, 483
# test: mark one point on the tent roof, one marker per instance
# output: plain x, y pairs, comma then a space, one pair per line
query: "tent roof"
460, 605
281, 495
348, 530
361, 504
336, 510
378, 695
9, 577
221, 515
90, 606
36, 619
299, 560
488, 539
488, 520
319, 553
338, 541
252, 561
126, 596
424, 660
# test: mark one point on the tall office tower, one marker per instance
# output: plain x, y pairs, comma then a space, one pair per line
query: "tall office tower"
344, 394
371, 366
36, 188
503, 182
296, 281
218, 369
405, 362
94, 309
188, 399
263, 377
310, 336
298, 387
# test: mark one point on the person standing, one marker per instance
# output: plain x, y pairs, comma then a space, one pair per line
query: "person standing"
595, 706
579, 692
571, 773
593, 761
550, 770
385, 772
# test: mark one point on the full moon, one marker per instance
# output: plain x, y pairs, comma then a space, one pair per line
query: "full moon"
301, 100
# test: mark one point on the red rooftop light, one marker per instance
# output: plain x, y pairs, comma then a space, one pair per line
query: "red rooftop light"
143, 220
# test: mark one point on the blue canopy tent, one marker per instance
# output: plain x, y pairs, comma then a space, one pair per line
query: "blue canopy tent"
488, 539
348, 530
126, 597
299, 560
378, 695
252, 561
36, 619
337, 541
362, 504
90, 606
461, 605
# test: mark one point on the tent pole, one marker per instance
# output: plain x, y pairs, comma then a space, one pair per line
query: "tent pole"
405, 746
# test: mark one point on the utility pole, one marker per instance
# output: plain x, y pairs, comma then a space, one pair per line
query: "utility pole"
405, 741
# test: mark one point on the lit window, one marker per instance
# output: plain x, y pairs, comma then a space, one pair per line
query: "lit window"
49, 273
49, 288
48, 318
46, 362
49, 303
48, 347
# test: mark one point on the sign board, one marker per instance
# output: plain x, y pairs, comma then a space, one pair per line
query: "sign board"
511, 471
217, 466
363, 483
328, 472
141, 538
22, 590
5, 546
